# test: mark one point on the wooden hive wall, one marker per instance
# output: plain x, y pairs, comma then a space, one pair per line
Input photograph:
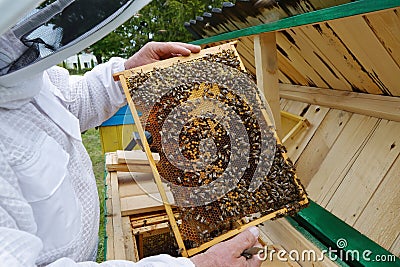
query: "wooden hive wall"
350, 165
360, 54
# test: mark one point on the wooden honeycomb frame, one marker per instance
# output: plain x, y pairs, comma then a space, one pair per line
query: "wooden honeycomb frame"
122, 77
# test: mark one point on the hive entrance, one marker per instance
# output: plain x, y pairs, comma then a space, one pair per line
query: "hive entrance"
218, 149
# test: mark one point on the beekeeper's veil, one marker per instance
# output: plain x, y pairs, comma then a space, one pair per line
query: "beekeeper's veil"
35, 35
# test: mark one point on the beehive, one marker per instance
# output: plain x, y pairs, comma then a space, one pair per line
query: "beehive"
219, 152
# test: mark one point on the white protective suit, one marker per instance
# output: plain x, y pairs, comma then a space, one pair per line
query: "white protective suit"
49, 210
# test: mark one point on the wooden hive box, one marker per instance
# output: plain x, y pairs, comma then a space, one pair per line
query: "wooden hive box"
131, 231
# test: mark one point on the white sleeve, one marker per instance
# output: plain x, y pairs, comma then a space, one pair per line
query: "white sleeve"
154, 261
95, 96
20, 247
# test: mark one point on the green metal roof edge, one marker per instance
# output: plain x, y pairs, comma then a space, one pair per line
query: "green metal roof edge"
336, 12
310, 237
330, 230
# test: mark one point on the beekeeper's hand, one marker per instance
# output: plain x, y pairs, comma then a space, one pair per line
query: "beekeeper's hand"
228, 253
156, 51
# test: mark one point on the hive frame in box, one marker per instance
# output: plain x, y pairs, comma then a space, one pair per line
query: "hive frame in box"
122, 77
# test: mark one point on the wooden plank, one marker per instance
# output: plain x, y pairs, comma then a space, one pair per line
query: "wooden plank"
289, 71
386, 27
339, 57
265, 54
384, 107
283, 233
366, 172
109, 215
136, 184
245, 48
119, 248
352, 9
134, 157
296, 143
142, 203
296, 107
340, 158
317, 59
301, 124
129, 243
149, 221
318, 147
367, 49
150, 230
298, 62
382, 210
395, 248
112, 165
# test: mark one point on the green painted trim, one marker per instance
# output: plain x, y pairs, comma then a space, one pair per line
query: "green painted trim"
329, 229
336, 12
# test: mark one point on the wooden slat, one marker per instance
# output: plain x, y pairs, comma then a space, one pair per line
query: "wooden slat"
265, 54
245, 48
119, 249
395, 248
274, 261
298, 62
340, 157
366, 172
109, 226
112, 165
283, 233
382, 210
340, 57
289, 71
143, 203
299, 124
131, 250
318, 147
296, 107
317, 59
135, 157
367, 49
136, 184
149, 221
386, 27
384, 107
296, 143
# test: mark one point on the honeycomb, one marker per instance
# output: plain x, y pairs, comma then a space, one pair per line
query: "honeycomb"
160, 243
218, 151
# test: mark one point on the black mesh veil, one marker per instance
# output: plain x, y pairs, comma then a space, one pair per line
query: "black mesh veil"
60, 28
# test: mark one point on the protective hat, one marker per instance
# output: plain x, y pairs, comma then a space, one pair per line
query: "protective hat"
54, 30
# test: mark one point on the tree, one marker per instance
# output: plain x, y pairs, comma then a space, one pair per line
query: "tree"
161, 20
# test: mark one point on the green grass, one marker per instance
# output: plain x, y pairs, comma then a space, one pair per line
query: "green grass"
91, 140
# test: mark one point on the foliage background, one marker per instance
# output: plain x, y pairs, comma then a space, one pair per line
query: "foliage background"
160, 20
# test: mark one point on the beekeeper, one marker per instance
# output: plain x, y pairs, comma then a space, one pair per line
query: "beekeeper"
49, 210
